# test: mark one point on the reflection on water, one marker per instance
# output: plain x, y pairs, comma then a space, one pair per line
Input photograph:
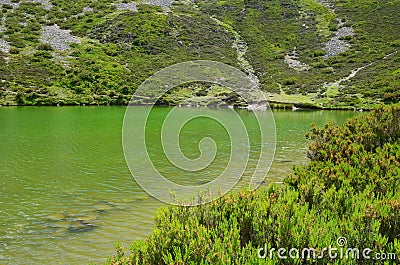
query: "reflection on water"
66, 194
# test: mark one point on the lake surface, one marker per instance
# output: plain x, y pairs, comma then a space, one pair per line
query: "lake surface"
67, 195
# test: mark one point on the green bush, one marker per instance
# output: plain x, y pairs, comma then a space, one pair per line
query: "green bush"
289, 81
319, 52
6, 6
45, 47
350, 189
14, 50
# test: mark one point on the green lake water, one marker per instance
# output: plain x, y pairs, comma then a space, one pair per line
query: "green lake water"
67, 195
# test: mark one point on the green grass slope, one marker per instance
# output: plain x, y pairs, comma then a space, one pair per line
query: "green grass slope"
328, 54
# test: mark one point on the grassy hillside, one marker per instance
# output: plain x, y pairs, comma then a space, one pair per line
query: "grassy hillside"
324, 53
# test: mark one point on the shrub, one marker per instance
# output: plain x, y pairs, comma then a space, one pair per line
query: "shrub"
289, 81
43, 54
333, 27
20, 98
14, 50
319, 52
350, 188
17, 42
45, 47
6, 6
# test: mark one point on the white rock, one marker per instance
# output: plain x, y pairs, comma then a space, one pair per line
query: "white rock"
57, 38
4, 46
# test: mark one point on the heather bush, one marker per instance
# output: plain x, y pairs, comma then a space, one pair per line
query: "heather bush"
349, 189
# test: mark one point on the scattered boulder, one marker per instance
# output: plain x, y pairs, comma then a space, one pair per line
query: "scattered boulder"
46, 3
336, 45
293, 61
57, 38
69, 222
4, 46
9, 3
131, 6
161, 3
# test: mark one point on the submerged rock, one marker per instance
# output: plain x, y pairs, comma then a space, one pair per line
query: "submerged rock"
75, 222
71, 222
104, 206
81, 225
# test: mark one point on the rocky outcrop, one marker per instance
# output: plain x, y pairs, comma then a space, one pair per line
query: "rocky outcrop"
57, 38
293, 61
4, 46
10, 3
131, 6
46, 3
337, 44
162, 3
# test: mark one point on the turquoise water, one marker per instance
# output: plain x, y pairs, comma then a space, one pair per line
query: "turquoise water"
66, 194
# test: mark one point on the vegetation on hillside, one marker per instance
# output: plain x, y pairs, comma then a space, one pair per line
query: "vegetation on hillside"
349, 189
113, 50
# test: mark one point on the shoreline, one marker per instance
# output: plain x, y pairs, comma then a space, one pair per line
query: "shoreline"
272, 105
